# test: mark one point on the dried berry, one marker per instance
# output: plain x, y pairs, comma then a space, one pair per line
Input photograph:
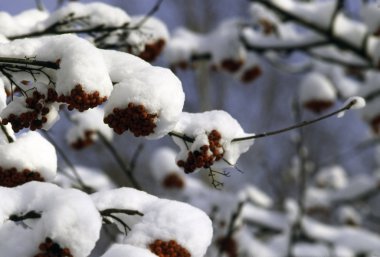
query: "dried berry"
375, 124
173, 180
152, 50
168, 249
87, 140
251, 74
232, 65
81, 100
228, 245
134, 118
49, 248
37, 104
318, 106
12, 178
205, 156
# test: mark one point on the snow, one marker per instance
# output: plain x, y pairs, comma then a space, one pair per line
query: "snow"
94, 14
226, 44
93, 178
162, 219
199, 125
182, 45
150, 31
333, 177
21, 23
356, 102
310, 250
163, 164
256, 196
315, 86
30, 151
158, 90
124, 250
68, 218
80, 62
319, 13
349, 30
3, 96
122, 65
262, 217
88, 121
370, 15
348, 215
171, 220
356, 239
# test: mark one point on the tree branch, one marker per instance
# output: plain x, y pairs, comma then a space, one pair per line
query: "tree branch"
340, 43
274, 132
6, 134
127, 170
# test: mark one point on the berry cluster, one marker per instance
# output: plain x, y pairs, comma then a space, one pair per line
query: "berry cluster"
51, 249
205, 156
152, 50
375, 124
228, 245
12, 178
134, 118
173, 180
232, 65
267, 26
87, 140
168, 249
38, 107
318, 106
81, 100
251, 74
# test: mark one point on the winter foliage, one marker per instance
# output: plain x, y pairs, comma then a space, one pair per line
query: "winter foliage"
88, 70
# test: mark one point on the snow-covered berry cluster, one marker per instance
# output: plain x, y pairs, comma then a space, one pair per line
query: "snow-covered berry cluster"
134, 118
148, 103
81, 100
205, 156
49, 248
12, 177
212, 146
85, 128
228, 245
317, 93
165, 169
29, 158
35, 110
168, 249
173, 180
149, 40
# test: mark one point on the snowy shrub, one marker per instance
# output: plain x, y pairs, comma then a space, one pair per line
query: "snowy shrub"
82, 75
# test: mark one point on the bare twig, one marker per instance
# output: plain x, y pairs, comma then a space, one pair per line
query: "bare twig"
6, 134
68, 162
128, 171
274, 132
28, 215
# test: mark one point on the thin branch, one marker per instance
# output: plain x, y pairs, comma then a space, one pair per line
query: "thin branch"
6, 134
29, 61
332, 38
123, 211
68, 162
127, 169
28, 215
299, 46
274, 132
299, 125
136, 155
154, 9
54, 28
